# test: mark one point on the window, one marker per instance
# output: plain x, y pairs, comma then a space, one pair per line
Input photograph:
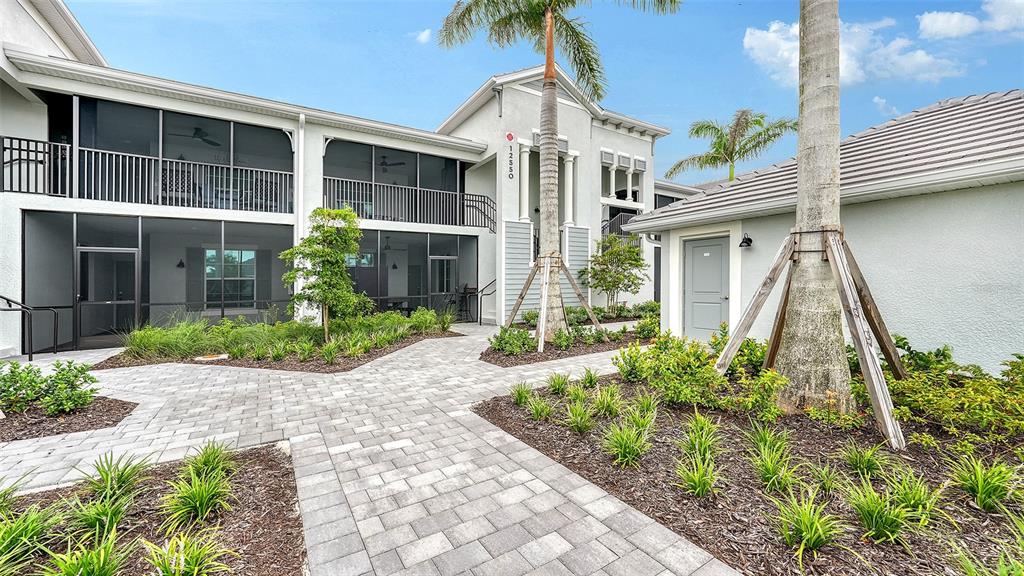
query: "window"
364, 260
239, 276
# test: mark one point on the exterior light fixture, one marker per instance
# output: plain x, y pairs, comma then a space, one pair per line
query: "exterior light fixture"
181, 263
747, 241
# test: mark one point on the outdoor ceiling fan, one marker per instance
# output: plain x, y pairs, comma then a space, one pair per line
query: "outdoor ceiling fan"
198, 134
384, 164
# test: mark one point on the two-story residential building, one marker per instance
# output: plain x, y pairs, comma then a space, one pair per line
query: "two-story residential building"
129, 199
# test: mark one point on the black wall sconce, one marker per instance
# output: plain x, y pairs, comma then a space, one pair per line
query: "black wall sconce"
181, 263
747, 241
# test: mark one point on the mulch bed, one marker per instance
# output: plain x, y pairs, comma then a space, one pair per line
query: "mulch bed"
290, 362
35, 423
263, 526
737, 525
551, 353
603, 321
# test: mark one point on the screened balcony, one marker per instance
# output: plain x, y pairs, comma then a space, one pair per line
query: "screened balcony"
395, 185
139, 155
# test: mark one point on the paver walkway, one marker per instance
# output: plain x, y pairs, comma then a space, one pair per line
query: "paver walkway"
395, 474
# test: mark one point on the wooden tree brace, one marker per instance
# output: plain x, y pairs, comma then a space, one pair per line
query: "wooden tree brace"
775, 340
874, 317
582, 299
871, 368
522, 294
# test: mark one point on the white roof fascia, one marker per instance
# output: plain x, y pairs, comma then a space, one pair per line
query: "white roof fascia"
60, 19
77, 71
910, 185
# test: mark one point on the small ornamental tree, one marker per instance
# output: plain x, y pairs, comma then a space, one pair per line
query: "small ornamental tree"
319, 265
618, 266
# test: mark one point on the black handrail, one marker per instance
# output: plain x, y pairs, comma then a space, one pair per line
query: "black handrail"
15, 306
480, 300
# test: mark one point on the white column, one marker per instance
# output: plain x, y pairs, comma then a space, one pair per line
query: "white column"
611, 180
524, 182
569, 185
629, 184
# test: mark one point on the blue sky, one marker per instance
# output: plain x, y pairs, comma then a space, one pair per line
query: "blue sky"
380, 59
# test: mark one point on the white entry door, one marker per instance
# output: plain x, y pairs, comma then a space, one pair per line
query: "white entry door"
705, 286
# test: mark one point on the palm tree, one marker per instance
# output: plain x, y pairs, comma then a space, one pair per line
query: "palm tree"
544, 23
749, 134
812, 352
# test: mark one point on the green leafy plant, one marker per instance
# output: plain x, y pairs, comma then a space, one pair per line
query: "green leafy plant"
608, 400
116, 478
760, 395
530, 318
22, 535
520, 392
772, 460
990, 484
68, 388
237, 352
188, 554
864, 461
194, 499
278, 351
836, 419
648, 308
330, 350
305, 350
356, 344
540, 409
697, 476
20, 386
924, 440
639, 418
513, 341
827, 477
258, 353
646, 402
589, 378
562, 340
696, 469
445, 321
617, 265
558, 383
683, 371
884, 518
647, 327
911, 491
424, 320
630, 363
213, 458
578, 417
97, 519
702, 437
104, 558
7, 493
804, 524
625, 444
576, 393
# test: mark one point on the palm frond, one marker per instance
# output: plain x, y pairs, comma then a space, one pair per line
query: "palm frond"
707, 129
703, 161
467, 16
513, 26
742, 121
655, 6
581, 51
755, 144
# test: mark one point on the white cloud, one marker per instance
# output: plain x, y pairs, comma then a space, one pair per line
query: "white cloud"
423, 36
863, 54
1000, 16
884, 108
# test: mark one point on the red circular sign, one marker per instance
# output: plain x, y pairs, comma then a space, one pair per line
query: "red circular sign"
510, 136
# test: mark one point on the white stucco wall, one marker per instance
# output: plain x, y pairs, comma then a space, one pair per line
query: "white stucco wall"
945, 268
22, 27
20, 118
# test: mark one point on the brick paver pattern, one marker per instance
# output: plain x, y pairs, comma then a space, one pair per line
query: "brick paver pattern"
395, 473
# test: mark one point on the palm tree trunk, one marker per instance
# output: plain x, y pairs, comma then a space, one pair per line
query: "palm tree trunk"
812, 353
549, 243
732, 171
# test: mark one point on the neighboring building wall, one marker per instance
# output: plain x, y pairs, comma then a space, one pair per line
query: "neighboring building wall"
945, 268
20, 118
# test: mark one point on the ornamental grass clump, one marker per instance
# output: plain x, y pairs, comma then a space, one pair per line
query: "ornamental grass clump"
625, 444
98, 519
23, 534
804, 524
911, 490
639, 418
116, 478
989, 484
195, 499
558, 383
589, 378
540, 409
104, 558
213, 458
188, 554
695, 468
576, 393
520, 393
772, 459
330, 350
864, 461
884, 518
305, 350
579, 417
608, 401
827, 477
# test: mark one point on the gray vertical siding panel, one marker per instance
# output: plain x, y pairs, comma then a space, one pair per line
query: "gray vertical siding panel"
518, 252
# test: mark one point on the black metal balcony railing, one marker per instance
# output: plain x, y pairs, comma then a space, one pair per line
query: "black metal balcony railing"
373, 201
39, 167
613, 227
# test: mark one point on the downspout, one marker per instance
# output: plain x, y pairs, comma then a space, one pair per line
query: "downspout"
300, 179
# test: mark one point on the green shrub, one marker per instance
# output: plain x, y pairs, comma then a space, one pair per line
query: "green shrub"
827, 477
1014, 371
68, 388
649, 308
625, 444
576, 315
831, 417
647, 327
608, 400
760, 395
989, 484
20, 386
424, 320
195, 499
188, 554
237, 352
630, 363
884, 519
558, 383
562, 340
578, 417
330, 350
576, 393
98, 519
104, 558
520, 392
589, 378
445, 321
864, 461
540, 409
530, 318
213, 458
116, 478
683, 371
513, 341
804, 524
305, 350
